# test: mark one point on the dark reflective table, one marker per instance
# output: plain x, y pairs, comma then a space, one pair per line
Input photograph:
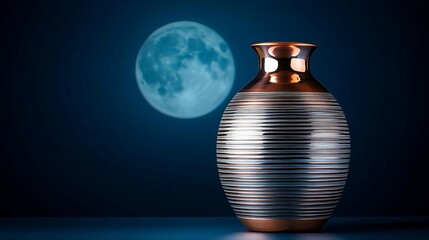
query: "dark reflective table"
204, 228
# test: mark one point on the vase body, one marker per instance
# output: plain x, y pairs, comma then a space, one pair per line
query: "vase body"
283, 145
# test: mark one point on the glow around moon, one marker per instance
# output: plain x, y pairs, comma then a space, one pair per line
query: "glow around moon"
185, 69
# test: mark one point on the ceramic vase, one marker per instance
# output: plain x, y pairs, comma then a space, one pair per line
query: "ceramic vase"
283, 145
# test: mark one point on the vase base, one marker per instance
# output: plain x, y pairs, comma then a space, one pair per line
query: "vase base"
283, 225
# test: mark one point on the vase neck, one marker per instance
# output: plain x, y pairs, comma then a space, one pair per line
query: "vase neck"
284, 66
275, 57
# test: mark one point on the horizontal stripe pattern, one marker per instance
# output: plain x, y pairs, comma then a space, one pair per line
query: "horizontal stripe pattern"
283, 154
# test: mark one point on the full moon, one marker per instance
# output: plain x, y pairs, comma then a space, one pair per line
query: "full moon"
185, 69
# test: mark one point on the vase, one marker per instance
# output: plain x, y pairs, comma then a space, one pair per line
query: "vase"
283, 144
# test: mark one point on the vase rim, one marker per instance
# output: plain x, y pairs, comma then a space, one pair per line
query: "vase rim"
284, 44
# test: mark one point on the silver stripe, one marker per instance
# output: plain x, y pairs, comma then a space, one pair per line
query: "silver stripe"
283, 154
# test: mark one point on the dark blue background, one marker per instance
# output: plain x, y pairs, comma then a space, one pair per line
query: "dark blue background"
78, 139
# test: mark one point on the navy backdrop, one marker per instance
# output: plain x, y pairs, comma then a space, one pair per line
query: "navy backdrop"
78, 139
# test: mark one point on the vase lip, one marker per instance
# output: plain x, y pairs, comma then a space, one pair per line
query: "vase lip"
283, 44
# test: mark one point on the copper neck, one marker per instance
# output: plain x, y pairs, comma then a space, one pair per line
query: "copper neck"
275, 57
283, 64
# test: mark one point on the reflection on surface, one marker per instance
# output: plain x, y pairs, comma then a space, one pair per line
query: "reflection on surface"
270, 64
248, 236
280, 236
282, 51
273, 79
316, 236
294, 78
298, 64
223, 228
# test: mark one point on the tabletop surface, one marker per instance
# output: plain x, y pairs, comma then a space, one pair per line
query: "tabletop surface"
223, 228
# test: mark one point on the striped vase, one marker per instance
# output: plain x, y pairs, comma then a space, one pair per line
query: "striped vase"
283, 145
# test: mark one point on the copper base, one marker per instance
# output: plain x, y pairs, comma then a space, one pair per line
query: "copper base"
283, 225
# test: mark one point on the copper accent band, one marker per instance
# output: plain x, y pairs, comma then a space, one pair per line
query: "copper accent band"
283, 225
